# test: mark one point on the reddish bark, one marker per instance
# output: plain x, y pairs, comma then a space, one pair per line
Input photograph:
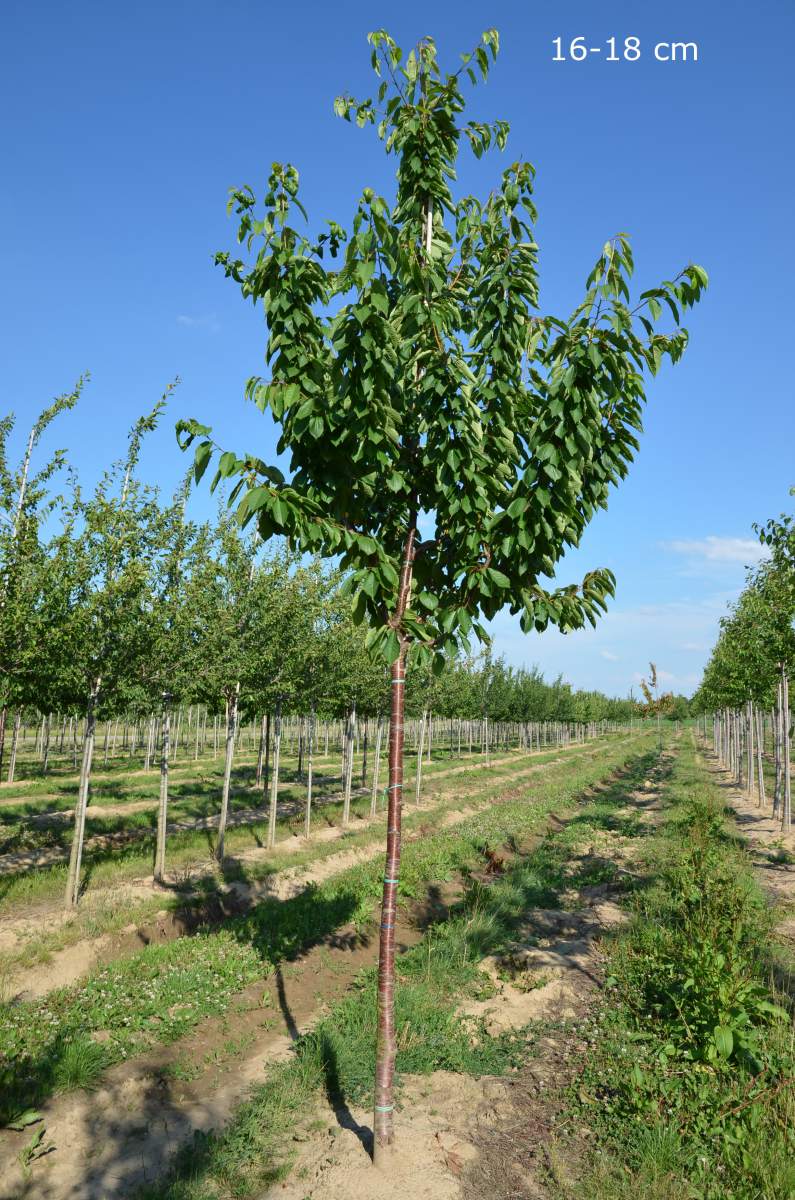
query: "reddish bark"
386, 1048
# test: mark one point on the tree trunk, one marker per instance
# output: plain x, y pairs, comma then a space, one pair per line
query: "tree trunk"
45, 754
231, 720
266, 770
420, 748
277, 746
310, 743
386, 1047
150, 743
78, 836
376, 763
261, 751
364, 750
162, 812
386, 1044
777, 751
348, 782
760, 760
786, 808
12, 760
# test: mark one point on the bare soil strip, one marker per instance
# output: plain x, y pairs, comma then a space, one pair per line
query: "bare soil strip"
501, 1137
65, 966
123, 1134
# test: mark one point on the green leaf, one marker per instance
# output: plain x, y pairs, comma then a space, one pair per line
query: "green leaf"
201, 460
724, 1041
498, 577
23, 1119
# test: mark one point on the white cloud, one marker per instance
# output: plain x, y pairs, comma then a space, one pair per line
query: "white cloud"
712, 549
615, 655
207, 322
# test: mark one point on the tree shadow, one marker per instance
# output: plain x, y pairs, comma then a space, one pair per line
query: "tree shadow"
289, 1019
336, 1097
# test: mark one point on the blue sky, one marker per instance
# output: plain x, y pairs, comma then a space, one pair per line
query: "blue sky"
124, 126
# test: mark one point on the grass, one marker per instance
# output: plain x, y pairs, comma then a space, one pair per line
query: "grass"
40, 824
142, 1000
100, 914
689, 1085
335, 1061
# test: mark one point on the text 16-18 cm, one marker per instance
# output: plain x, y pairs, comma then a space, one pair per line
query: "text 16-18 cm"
628, 50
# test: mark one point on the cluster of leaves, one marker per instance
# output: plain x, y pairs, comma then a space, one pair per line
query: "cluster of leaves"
25, 505
757, 636
122, 592
415, 386
125, 587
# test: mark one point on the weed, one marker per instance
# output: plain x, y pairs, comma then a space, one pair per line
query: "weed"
182, 1070
79, 1065
37, 1147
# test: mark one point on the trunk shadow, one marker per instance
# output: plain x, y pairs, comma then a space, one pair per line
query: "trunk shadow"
336, 1099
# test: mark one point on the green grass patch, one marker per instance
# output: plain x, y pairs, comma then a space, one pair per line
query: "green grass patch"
337, 1059
133, 997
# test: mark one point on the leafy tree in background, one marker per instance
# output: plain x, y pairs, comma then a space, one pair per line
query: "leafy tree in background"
167, 674
416, 379
24, 507
116, 537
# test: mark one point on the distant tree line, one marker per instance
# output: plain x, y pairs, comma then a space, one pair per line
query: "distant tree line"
745, 686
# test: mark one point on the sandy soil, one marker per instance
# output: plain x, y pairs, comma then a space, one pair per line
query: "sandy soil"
461, 1138
109, 1141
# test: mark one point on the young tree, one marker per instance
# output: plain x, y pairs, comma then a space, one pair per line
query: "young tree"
115, 538
24, 506
416, 383
220, 603
168, 674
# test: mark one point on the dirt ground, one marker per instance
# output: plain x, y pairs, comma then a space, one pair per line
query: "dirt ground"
458, 1136
69, 964
496, 1137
